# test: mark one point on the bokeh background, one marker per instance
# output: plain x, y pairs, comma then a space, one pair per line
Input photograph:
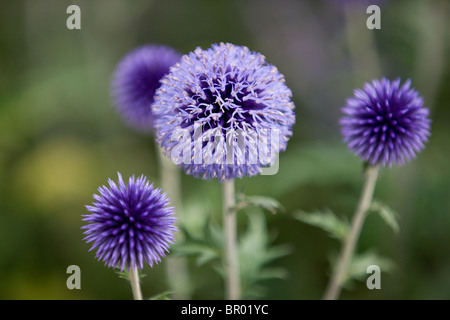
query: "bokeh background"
60, 138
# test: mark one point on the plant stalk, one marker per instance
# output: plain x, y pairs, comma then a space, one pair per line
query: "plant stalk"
135, 283
233, 288
338, 278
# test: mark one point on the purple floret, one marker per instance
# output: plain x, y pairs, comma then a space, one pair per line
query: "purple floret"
223, 112
385, 123
130, 225
135, 81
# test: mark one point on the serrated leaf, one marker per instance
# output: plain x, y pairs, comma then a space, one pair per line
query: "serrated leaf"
215, 235
327, 221
270, 204
357, 268
387, 214
273, 273
206, 245
161, 296
207, 256
255, 248
256, 253
123, 274
205, 253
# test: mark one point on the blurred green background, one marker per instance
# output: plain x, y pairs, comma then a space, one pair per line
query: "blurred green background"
60, 138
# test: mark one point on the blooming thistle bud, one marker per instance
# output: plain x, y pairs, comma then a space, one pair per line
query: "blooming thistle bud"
135, 81
224, 111
130, 225
385, 123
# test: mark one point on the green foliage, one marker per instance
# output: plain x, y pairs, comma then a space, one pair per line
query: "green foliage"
359, 263
327, 221
60, 138
123, 274
270, 204
256, 251
206, 246
161, 296
387, 214
339, 229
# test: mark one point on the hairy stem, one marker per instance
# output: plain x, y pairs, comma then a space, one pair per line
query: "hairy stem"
334, 286
135, 283
233, 288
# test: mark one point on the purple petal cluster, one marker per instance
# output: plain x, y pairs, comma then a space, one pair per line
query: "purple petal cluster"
223, 106
129, 225
385, 123
135, 81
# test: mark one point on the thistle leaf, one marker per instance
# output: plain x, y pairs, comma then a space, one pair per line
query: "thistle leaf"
270, 204
387, 214
205, 253
161, 296
326, 220
357, 269
256, 253
205, 246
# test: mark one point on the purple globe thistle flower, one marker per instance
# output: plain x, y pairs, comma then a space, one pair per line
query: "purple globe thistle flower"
223, 112
385, 123
135, 81
130, 225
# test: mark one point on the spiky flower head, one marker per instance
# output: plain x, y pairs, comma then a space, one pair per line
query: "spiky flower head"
135, 81
223, 112
129, 224
385, 123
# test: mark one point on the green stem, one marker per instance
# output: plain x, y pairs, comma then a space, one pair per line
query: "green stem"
338, 278
135, 284
233, 288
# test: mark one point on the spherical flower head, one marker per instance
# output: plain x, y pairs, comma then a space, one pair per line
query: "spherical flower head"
385, 123
223, 112
135, 81
130, 225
